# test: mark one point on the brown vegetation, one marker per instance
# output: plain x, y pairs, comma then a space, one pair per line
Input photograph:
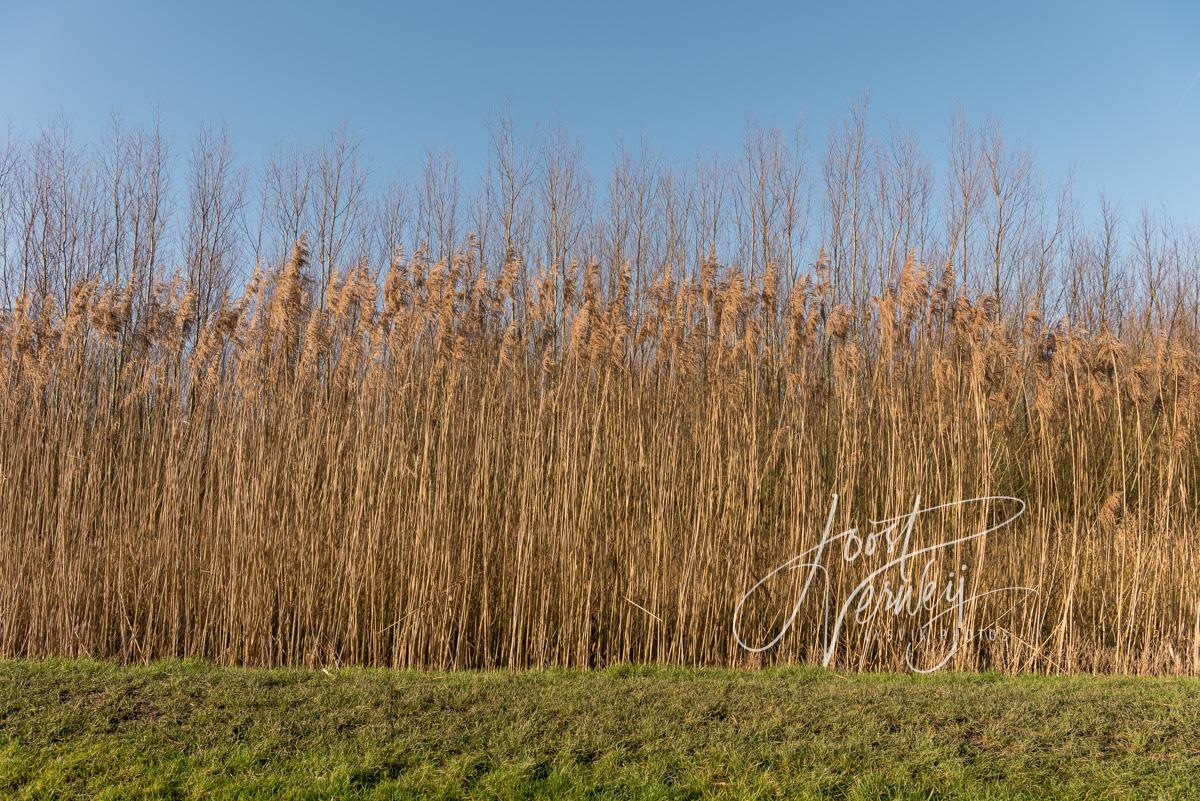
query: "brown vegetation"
500, 453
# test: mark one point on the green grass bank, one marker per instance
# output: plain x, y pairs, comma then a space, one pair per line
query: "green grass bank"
183, 730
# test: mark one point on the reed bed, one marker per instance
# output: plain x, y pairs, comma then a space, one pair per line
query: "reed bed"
452, 464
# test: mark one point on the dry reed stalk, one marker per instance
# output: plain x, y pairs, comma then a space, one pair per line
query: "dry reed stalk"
469, 472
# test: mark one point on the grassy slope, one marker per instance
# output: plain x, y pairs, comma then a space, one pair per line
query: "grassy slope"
186, 730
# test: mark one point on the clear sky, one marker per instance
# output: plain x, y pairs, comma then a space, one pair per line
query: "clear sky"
1102, 85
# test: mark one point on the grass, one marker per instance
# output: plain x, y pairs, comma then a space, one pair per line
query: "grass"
81, 729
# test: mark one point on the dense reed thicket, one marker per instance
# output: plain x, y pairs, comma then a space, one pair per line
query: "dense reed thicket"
500, 453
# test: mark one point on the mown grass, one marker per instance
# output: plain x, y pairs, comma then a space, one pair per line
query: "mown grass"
83, 729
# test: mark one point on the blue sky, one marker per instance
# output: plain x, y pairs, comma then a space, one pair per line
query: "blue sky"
1100, 85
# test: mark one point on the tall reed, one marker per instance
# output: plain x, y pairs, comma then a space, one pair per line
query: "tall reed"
455, 464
